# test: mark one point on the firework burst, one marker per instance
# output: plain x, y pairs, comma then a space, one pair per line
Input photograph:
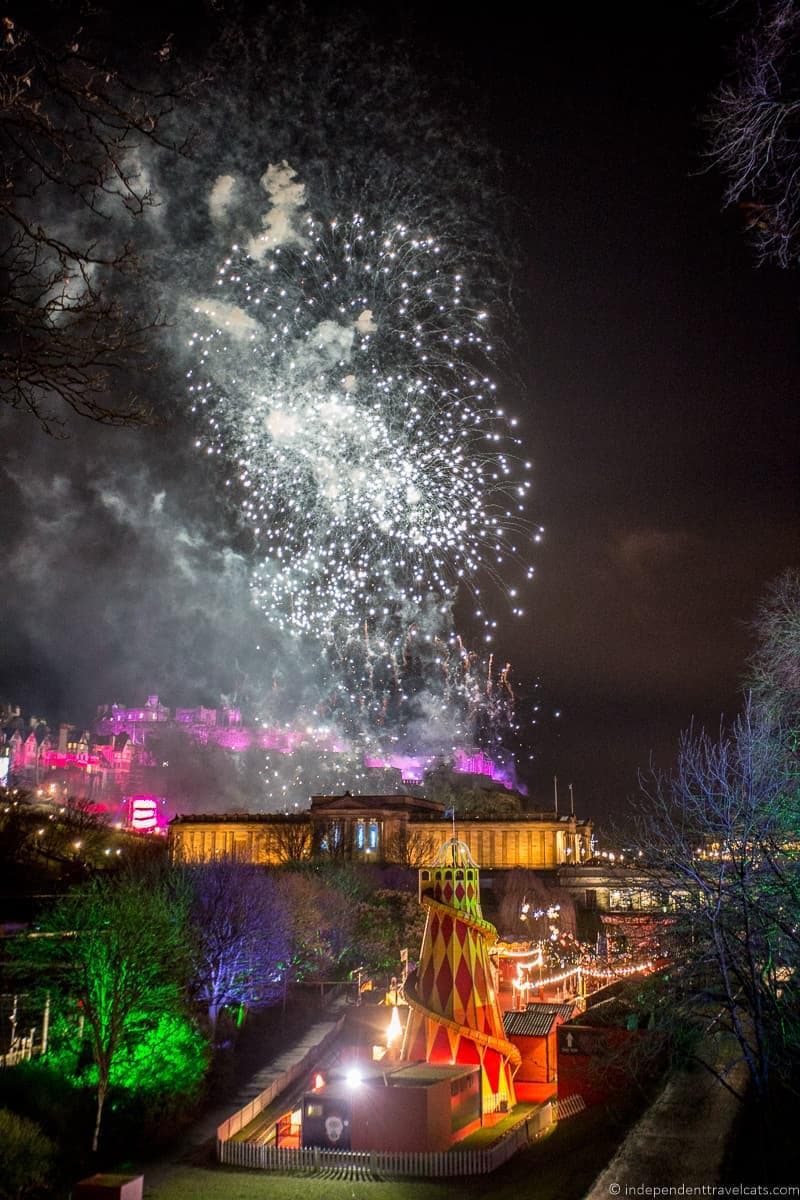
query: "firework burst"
346, 376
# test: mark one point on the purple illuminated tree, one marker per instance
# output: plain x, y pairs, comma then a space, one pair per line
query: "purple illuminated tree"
242, 936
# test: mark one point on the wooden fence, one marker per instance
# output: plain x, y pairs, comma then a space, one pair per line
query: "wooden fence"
377, 1163
21, 1049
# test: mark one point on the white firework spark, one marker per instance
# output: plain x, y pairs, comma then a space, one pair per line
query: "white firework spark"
346, 376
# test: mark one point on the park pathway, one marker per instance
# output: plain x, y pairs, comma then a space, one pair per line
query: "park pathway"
680, 1139
199, 1143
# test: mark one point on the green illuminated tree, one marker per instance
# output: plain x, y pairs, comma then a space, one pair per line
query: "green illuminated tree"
121, 948
155, 1076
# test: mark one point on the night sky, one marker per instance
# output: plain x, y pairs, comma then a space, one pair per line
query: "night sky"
663, 394
658, 371
663, 401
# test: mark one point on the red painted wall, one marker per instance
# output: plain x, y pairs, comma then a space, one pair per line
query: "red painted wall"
401, 1118
538, 1058
602, 1060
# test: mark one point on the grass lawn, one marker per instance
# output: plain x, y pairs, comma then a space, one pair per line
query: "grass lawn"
562, 1166
489, 1134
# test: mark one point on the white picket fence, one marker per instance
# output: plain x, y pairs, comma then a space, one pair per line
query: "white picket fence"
21, 1050
390, 1163
570, 1106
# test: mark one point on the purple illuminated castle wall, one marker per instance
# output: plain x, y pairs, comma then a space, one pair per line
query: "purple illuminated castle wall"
115, 767
223, 727
412, 767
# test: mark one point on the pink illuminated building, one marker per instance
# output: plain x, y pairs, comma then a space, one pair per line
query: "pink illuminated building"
123, 759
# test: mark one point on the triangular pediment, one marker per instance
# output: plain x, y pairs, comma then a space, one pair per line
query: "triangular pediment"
346, 803
324, 805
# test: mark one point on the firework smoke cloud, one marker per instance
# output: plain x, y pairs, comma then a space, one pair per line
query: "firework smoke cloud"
343, 402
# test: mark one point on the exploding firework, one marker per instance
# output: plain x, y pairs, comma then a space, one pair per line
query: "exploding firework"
346, 376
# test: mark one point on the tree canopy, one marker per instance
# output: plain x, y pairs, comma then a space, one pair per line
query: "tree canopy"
118, 947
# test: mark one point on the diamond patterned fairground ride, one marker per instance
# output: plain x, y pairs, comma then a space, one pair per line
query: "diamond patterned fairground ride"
455, 1016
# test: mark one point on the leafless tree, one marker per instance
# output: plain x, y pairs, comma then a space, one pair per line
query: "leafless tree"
410, 847
242, 936
76, 138
774, 675
333, 840
754, 126
291, 839
719, 836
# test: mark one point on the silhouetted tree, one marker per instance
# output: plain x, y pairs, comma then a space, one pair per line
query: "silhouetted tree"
410, 847
18, 824
754, 128
291, 839
74, 136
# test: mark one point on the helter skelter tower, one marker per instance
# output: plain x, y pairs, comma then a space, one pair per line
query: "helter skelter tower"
454, 1012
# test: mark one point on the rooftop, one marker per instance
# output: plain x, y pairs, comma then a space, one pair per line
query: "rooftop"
246, 818
536, 1020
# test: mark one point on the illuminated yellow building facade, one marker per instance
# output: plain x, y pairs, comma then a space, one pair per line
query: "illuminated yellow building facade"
535, 841
399, 829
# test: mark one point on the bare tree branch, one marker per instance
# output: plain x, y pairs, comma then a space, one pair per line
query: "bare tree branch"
76, 142
754, 126
718, 833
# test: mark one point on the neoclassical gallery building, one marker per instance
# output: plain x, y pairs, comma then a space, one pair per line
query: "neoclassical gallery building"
398, 829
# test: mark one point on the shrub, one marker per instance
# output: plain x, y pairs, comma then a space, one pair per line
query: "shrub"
27, 1156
